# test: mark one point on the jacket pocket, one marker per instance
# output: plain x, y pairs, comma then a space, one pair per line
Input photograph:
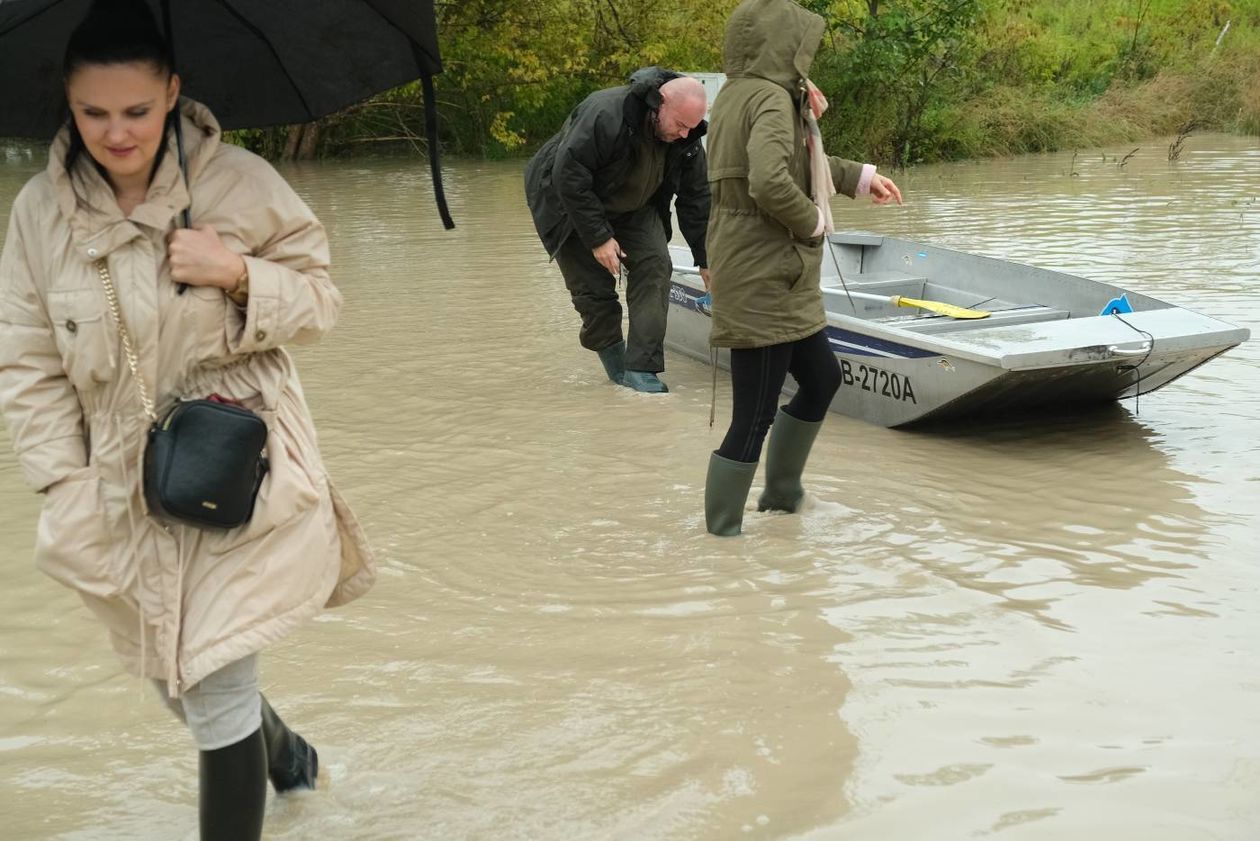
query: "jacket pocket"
73, 542
293, 483
85, 336
810, 254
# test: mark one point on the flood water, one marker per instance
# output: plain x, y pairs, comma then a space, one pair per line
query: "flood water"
1035, 629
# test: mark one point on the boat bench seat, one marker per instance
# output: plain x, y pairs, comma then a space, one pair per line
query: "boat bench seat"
1003, 313
1003, 317
883, 283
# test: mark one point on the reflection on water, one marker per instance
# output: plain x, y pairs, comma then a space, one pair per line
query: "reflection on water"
1063, 499
1041, 628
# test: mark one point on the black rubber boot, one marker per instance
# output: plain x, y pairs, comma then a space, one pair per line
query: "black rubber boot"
291, 761
725, 492
234, 790
790, 442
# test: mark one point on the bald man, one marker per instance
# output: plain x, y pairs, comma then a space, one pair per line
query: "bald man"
600, 193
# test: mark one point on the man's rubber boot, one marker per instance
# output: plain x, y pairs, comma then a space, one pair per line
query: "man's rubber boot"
614, 359
644, 381
234, 790
291, 761
725, 492
786, 454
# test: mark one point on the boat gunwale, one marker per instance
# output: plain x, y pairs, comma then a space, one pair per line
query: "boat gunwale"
944, 343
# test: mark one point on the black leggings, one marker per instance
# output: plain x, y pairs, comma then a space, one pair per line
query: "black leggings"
757, 377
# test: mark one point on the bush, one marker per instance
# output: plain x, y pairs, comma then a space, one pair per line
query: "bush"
909, 80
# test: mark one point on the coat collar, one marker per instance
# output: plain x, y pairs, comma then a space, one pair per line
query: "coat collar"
643, 95
87, 202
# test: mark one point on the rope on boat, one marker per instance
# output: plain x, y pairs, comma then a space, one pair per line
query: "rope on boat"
1150, 348
835, 261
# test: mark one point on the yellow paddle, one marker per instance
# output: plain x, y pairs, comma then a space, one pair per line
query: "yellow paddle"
939, 307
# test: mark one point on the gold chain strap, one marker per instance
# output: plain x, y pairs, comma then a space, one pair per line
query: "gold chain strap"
111, 295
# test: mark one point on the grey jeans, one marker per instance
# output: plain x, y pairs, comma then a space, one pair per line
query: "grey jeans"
224, 708
641, 236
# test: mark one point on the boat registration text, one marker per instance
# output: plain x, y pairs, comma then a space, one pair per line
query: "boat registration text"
877, 381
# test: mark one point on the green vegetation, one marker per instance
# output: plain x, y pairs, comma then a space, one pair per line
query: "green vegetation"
909, 80
966, 78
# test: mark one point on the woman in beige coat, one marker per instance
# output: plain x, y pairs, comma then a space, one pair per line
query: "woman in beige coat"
186, 607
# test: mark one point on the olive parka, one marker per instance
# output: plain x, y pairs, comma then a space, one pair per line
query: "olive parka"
765, 262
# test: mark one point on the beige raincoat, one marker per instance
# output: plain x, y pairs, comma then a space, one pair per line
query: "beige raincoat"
179, 602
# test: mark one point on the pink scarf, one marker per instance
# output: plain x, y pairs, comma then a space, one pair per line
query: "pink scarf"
821, 185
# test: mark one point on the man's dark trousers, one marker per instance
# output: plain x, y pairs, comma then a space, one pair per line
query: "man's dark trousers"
648, 268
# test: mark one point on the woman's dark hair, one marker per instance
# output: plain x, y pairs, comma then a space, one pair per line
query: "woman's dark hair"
115, 32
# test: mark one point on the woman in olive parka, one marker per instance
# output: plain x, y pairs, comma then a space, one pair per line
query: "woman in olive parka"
765, 245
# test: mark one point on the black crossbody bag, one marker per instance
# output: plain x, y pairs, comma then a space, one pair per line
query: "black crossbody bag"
203, 463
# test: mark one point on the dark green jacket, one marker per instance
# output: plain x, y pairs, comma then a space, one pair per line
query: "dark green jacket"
569, 179
764, 260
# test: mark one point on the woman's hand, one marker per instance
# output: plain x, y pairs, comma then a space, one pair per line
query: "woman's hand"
883, 190
817, 102
199, 258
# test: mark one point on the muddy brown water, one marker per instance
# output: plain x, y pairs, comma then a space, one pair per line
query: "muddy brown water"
1035, 629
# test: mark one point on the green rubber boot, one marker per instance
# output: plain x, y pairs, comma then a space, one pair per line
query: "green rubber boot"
644, 381
786, 454
614, 359
725, 492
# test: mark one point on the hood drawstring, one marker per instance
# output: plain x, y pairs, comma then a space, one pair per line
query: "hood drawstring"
122, 557
174, 688
131, 550
713, 362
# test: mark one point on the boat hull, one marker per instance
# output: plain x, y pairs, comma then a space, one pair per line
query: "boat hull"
896, 377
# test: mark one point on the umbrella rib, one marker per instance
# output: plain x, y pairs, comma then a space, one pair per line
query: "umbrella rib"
31, 16
262, 37
434, 58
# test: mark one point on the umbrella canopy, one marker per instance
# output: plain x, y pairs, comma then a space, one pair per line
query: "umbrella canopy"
255, 63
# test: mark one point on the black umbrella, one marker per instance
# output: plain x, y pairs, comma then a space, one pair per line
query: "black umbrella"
255, 63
